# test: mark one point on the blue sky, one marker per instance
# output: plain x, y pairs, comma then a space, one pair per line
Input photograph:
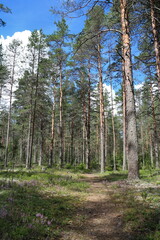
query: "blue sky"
36, 14
31, 15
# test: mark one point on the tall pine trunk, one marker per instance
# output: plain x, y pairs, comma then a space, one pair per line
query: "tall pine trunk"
61, 150
113, 129
28, 142
155, 141
101, 98
88, 150
124, 128
156, 40
51, 158
132, 142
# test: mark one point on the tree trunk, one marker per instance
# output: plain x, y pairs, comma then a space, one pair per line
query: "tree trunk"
1, 89
132, 142
102, 133
106, 140
88, 150
155, 143
151, 149
51, 160
124, 129
156, 40
113, 130
72, 143
83, 143
41, 145
61, 118
34, 106
28, 142
85, 140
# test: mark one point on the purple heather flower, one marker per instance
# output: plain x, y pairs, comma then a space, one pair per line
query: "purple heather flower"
3, 212
49, 222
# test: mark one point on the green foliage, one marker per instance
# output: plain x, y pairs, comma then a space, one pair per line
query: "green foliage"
5, 10
31, 205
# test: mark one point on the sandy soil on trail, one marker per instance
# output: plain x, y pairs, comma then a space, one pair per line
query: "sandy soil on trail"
101, 216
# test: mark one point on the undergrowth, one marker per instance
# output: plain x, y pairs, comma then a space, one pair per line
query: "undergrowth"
36, 204
41, 204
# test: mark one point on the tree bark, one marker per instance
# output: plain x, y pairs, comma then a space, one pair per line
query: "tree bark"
51, 159
124, 128
155, 143
61, 117
88, 150
28, 142
132, 142
156, 40
102, 129
151, 149
113, 130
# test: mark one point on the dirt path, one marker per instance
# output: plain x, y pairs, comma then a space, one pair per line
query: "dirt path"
101, 216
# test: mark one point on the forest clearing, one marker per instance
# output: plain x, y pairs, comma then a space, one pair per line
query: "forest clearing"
71, 205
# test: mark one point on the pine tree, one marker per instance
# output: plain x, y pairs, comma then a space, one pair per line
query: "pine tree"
58, 42
14, 50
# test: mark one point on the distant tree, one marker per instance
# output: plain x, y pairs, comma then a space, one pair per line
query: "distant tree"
14, 48
58, 43
3, 73
37, 49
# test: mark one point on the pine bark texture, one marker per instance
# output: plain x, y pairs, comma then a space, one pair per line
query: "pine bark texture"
156, 40
133, 172
124, 129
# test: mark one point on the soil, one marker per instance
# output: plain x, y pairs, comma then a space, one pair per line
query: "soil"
101, 217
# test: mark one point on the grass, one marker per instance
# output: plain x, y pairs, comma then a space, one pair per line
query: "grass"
37, 205
140, 202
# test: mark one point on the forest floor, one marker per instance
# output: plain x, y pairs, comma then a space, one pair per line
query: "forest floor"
68, 205
117, 210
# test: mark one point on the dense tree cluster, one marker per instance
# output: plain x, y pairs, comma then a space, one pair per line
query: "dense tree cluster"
61, 113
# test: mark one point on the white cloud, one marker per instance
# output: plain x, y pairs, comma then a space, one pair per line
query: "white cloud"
138, 86
107, 90
21, 36
21, 62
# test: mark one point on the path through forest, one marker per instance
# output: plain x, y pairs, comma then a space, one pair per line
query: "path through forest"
101, 217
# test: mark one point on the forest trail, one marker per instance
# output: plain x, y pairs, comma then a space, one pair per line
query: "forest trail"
102, 215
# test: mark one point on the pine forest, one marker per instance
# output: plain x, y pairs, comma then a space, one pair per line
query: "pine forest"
79, 121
